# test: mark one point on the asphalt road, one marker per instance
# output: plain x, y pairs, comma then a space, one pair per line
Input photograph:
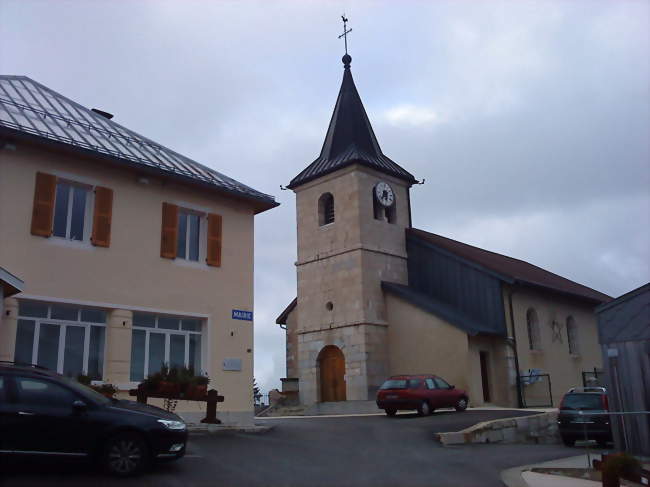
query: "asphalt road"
343, 451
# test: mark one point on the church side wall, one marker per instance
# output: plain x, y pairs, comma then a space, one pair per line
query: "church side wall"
553, 357
292, 344
422, 343
500, 370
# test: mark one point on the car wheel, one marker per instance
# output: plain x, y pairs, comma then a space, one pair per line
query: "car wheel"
568, 440
391, 412
461, 405
424, 409
125, 454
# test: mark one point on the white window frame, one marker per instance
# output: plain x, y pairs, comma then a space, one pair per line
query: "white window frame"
88, 211
64, 324
201, 236
167, 332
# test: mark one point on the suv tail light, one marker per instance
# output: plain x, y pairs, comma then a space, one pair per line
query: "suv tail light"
605, 402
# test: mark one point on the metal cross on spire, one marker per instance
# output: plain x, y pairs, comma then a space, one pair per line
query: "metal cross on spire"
346, 31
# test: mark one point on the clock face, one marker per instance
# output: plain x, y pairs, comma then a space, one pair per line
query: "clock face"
384, 194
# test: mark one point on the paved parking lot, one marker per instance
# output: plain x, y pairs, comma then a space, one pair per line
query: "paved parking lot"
335, 451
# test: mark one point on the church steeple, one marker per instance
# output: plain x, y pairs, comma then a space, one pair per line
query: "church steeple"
350, 138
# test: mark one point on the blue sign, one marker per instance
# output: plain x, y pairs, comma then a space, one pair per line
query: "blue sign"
238, 314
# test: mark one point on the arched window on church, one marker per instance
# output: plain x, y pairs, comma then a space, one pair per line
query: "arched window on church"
534, 339
381, 212
572, 335
326, 209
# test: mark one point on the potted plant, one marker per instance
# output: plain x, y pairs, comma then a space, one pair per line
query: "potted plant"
198, 387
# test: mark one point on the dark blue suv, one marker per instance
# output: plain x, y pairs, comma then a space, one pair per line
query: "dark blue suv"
44, 413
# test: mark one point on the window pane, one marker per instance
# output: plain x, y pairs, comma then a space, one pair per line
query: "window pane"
145, 320
137, 355
39, 392
194, 360
182, 235
168, 323
61, 210
191, 325
3, 393
30, 308
441, 383
64, 313
156, 352
93, 315
48, 346
96, 352
430, 384
176, 351
73, 357
194, 237
78, 213
24, 341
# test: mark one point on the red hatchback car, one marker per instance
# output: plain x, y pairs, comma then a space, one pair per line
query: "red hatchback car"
422, 392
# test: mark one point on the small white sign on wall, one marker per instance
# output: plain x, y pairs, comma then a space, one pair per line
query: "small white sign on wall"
232, 364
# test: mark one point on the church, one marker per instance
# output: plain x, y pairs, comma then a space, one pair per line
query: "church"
377, 297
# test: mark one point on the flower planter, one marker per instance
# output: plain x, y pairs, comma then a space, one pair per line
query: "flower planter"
169, 389
196, 392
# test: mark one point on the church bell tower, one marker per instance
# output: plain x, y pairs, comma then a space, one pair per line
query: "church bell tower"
352, 211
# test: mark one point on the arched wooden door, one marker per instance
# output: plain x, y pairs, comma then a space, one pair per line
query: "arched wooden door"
332, 374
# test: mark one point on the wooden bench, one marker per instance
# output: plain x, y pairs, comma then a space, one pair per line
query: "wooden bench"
212, 398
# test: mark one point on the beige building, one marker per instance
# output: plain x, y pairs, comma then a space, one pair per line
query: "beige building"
131, 255
377, 297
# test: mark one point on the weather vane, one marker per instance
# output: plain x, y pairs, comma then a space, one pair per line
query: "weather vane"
346, 31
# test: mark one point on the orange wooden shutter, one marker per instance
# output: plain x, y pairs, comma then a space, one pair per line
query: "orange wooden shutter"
102, 216
214, 240
43, 210
169, 237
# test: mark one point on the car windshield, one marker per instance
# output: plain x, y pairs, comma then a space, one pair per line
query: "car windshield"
85, 391
394, 384
582, 401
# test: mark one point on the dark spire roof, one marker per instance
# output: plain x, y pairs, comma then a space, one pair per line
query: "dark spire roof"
350, 138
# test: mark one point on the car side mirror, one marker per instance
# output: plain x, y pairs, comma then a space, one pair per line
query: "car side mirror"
452, 387
79, 406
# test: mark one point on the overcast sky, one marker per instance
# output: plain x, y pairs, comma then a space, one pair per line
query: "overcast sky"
529, 121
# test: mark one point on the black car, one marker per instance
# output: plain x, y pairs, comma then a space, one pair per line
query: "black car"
44, 413
583, 413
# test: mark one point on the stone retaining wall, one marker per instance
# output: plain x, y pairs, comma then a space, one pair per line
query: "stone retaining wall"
539, 428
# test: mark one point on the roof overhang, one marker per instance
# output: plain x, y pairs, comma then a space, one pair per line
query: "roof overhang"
282, 319
10, 284
258, 204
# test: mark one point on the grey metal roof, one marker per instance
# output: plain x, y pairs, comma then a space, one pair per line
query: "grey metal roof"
627, 318
29, 107
350, 139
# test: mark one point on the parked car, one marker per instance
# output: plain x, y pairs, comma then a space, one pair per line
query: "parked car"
425, 393
44, 413
578, 417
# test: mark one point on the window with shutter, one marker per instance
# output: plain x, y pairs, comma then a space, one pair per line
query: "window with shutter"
214, 240
43, 210
103, 213
169, 234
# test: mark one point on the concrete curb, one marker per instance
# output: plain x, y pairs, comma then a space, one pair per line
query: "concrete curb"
512, 477
538, 428
219, 428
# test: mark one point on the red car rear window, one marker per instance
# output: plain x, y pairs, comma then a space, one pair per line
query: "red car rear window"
394, 384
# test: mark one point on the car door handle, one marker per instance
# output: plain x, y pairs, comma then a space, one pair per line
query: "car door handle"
25, 413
